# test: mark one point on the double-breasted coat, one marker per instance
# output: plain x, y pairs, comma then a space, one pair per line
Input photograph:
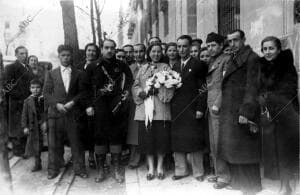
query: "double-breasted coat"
32, 118
278, 90
239, 98
188, 133
21, 76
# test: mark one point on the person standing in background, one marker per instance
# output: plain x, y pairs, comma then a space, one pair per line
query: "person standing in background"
17, 75
132, 136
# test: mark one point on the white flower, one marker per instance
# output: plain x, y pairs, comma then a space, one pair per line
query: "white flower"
157, 85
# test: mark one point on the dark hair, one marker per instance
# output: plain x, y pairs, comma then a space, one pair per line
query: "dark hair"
36, 81
120, 50
171, 44
202, 49
62, 48
187, 37
276, 41
32, 56
18, 48
242, 34
197, 41
110, 40
154, 38
140, 44
94, 45
149, 50
127, 45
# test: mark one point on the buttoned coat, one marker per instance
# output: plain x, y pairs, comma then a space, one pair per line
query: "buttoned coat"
188, 133
162, 110
239, 98
30, 121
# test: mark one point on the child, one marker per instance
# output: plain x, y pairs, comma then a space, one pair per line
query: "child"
33, 123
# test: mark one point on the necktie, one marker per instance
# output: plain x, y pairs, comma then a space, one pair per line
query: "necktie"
182, 67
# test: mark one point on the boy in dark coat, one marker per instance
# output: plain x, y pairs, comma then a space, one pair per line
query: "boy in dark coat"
33, 123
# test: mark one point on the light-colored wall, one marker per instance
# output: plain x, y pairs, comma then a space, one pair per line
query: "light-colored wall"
207, 17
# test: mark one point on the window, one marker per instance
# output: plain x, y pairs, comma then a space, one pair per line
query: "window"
192, 18
297, 11
228, 16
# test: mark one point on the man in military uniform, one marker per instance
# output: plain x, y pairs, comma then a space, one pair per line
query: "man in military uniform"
108, 106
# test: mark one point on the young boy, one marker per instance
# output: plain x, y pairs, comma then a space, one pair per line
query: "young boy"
33, 123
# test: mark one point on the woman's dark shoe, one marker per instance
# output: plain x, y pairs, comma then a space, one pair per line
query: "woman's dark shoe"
200, 178
52, 175
178, 177
220, 185
160, 176
150, 176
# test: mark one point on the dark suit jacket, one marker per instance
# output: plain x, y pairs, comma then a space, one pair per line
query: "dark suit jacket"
16, 73
187, 131
54, 91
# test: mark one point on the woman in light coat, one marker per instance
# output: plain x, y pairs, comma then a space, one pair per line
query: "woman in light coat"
154, 139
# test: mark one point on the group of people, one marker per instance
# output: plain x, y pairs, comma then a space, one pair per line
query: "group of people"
233, 113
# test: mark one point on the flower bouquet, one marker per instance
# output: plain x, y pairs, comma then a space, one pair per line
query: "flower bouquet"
165, 82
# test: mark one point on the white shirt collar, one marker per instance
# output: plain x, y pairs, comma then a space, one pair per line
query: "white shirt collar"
186, 61
63, 68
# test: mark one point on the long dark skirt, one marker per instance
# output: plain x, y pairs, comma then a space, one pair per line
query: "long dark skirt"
245, 177
156, 138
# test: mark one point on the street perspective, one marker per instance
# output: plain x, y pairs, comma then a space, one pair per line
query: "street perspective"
149, 97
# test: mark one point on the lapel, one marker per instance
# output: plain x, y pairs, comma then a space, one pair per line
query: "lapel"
187, 69
32, 104
59, 81
238, 61
214, 65
74, 75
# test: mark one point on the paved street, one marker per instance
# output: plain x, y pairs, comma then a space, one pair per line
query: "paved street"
25, 182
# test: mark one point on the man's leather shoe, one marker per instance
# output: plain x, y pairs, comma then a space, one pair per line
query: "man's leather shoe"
200, 178
220, 185
212, 179
82, 175
177, 177
150, 176
52, 175
37, 167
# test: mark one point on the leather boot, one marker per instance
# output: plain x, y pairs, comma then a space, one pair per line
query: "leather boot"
37, 164
118, 175
99, 159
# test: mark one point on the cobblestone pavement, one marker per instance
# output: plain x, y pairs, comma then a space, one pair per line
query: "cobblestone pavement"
25, 182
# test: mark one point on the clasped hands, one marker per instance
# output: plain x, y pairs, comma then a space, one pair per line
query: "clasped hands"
43, 128
63, 108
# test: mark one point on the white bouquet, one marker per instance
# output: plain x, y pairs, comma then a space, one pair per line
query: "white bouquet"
165, 82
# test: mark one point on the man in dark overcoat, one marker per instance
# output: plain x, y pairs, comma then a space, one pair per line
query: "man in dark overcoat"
109, 107
17, 78
188, 107
238, 143
86, 121
65, 91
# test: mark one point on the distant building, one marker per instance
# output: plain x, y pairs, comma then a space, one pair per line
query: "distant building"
258, 18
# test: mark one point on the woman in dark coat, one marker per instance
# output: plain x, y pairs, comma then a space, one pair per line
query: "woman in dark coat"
279, 100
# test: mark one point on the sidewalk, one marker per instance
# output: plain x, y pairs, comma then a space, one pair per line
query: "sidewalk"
136, 184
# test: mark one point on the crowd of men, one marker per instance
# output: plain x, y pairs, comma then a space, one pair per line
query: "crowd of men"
89, 107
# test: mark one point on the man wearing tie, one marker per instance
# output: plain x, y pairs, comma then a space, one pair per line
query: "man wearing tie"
65, 92
17, 77
188, 107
